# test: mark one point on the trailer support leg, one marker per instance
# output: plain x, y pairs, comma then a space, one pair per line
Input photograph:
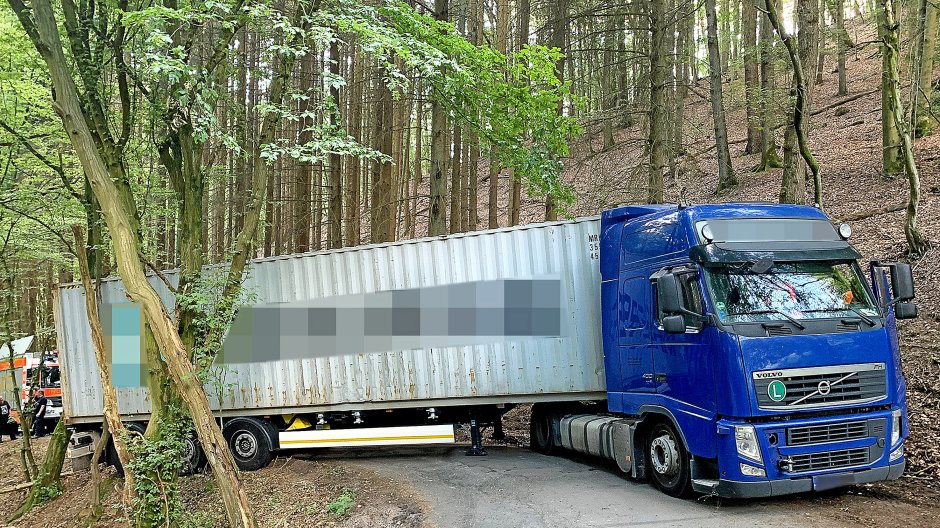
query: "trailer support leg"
476, 440
498, 433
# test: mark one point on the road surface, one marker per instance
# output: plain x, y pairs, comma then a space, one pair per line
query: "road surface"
514, 487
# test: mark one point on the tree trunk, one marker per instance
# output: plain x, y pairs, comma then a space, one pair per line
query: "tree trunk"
657, 125
304, 174
502, 35
799, 111
456, 180
67, 103
892, 160
437, 223
419, 160
109, 394
523, 12
353, 167
749, 15
335, 238
888, 30
769, 158
726, 177
924, 118
841, 38
723, 34
821, 41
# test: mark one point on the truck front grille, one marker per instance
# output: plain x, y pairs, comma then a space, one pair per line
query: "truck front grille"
820, 386
839, 458
817, 434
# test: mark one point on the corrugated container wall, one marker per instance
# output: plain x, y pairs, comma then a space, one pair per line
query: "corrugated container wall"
507, 371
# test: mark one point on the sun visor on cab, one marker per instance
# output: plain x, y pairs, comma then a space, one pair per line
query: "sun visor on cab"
720, 253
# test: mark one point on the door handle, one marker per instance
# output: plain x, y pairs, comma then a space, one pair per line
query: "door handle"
660, 378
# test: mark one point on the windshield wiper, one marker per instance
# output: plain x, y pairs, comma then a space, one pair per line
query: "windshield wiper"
796, 323
868, 320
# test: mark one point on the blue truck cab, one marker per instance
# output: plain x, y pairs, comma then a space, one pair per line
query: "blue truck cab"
748, 351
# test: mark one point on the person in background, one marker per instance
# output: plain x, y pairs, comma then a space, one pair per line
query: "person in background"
5, 419
39, 418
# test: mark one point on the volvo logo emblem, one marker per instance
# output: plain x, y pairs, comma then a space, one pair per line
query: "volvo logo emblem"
824, 387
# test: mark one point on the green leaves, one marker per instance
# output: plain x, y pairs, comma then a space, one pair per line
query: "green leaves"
511, 102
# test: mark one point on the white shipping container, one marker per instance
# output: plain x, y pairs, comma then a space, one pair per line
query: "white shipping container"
510, 370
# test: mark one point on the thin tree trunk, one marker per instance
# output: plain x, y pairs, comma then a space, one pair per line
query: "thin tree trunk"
419, 160
381, 228
109, 394
335, 238
821, 41
892, 159
657, 114
769, 158
560, 30
749, 14
841, 38
888, 30
801, 105
456, 180
523, 13
437, 223
924, 118
353, 167
726, 177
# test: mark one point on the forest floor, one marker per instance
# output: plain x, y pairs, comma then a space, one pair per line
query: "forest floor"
289, 492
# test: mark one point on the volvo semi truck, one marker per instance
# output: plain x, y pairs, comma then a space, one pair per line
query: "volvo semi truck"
741, 349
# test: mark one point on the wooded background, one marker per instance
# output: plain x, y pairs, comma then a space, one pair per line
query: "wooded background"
628, 63
327, 124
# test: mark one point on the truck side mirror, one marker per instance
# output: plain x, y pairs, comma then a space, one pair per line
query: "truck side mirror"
905, 310
674, 324
668, 296
902, 282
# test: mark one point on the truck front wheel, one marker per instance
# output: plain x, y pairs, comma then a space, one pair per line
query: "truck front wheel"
248, 444
667, 460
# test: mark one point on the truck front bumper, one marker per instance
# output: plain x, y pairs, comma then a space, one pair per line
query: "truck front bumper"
766, 488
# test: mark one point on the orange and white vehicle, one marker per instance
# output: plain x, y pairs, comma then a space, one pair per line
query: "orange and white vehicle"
25, 365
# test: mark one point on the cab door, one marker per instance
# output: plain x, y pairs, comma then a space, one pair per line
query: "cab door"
682, 364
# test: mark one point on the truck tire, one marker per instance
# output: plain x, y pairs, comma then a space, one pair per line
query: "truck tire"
194, 458
667, 461
248, 443
111, 455
540, 431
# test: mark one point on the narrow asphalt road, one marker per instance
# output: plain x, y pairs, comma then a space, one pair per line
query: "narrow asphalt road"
518, 488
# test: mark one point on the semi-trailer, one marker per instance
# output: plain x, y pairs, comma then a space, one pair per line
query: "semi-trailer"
733, 349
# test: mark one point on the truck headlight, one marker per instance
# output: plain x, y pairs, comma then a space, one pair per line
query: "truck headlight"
745, 439
895, 426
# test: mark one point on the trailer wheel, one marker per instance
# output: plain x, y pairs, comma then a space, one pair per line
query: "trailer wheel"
540, 431
249, 445
194, 458
667, 460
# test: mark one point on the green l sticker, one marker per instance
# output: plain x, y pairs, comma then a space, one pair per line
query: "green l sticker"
777, 390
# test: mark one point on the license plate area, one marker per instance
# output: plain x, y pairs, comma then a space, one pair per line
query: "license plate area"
835, 480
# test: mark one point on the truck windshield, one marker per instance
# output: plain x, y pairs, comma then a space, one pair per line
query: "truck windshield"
802, 290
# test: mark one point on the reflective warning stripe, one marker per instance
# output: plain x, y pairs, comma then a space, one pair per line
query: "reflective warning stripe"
368, 436
369, 439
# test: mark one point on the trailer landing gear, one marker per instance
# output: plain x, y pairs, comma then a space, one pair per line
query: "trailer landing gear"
476, 440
